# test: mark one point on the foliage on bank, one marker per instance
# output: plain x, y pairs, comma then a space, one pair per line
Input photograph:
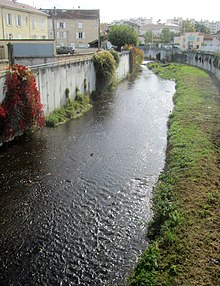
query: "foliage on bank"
21, 108
72, 109
105, 66
184, 232
137, 57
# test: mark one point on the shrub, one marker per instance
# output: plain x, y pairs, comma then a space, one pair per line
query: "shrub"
104, 66
137, 57
21, 108
116, 57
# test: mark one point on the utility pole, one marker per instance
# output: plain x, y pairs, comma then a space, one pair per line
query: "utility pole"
53, 23
99, 31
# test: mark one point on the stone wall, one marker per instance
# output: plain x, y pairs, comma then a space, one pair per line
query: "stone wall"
204, 60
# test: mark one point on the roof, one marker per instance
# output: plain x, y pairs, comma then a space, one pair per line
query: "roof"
20, 6
130, 23
208, 37
72, 14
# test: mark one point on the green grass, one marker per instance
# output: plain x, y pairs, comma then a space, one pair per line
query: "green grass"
186, 200
72, 109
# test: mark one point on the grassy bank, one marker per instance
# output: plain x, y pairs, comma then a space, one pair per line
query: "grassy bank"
72, 109
184, 234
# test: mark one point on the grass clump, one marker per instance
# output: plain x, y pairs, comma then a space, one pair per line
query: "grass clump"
186, 199
72, 109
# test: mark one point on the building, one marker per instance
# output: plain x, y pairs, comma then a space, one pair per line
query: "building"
176, 21
73, 27
189, 41
213, 26
211, 43
20, 21
157, 29
141, 21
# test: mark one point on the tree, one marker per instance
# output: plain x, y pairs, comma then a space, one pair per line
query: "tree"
120, 35
202, 28
188, 27
148, 37
165, 36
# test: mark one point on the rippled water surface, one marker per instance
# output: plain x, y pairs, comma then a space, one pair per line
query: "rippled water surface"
74, 201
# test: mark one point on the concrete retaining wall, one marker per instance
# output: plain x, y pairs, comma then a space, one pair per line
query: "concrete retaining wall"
53, 79
203, 60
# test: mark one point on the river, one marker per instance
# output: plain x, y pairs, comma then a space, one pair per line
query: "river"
75, 200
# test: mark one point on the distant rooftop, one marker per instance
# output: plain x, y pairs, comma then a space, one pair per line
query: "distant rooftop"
72, 14
19, 6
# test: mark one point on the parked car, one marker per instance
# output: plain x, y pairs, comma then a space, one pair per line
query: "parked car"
65, 50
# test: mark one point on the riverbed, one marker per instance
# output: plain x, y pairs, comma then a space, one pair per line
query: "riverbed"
75, 200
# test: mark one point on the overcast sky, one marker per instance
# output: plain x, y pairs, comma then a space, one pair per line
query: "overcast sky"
158, 9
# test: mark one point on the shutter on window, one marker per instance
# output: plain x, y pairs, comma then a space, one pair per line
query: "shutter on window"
77, 35
58, 25
64, 25
83, 35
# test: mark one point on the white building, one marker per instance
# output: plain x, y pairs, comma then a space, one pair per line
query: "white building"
213, 26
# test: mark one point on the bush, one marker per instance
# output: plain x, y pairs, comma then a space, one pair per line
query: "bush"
21, 108
137, 57
104, 66
116, 57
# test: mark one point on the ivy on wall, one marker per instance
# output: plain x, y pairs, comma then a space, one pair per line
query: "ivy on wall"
21, 108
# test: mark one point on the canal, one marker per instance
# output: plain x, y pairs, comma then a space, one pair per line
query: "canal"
75, 200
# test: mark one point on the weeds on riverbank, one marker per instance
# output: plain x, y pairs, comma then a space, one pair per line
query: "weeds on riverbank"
72, 109
184, 232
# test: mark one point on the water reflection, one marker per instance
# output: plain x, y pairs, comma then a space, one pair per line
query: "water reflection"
74, 200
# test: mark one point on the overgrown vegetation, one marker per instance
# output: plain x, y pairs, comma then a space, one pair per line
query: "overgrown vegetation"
72, 109
184, 248
136, 59
105, 66
21, 108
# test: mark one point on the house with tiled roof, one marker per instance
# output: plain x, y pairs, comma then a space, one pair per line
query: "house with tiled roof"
73, 27
21, 21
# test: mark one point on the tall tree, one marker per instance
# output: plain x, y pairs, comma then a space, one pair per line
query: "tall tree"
148, 37
188, 27
165, 36
202, 28
121, 35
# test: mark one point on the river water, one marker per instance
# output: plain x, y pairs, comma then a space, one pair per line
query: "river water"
75, 200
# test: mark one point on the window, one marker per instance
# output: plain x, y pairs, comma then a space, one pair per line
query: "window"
61, 35
80, 35
18, 20
61, 25
34, 37
33, 23
198, 39
9, 19
80, 25
43, 24
10, 36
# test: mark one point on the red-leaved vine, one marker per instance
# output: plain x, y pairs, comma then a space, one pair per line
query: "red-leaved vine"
21, 108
